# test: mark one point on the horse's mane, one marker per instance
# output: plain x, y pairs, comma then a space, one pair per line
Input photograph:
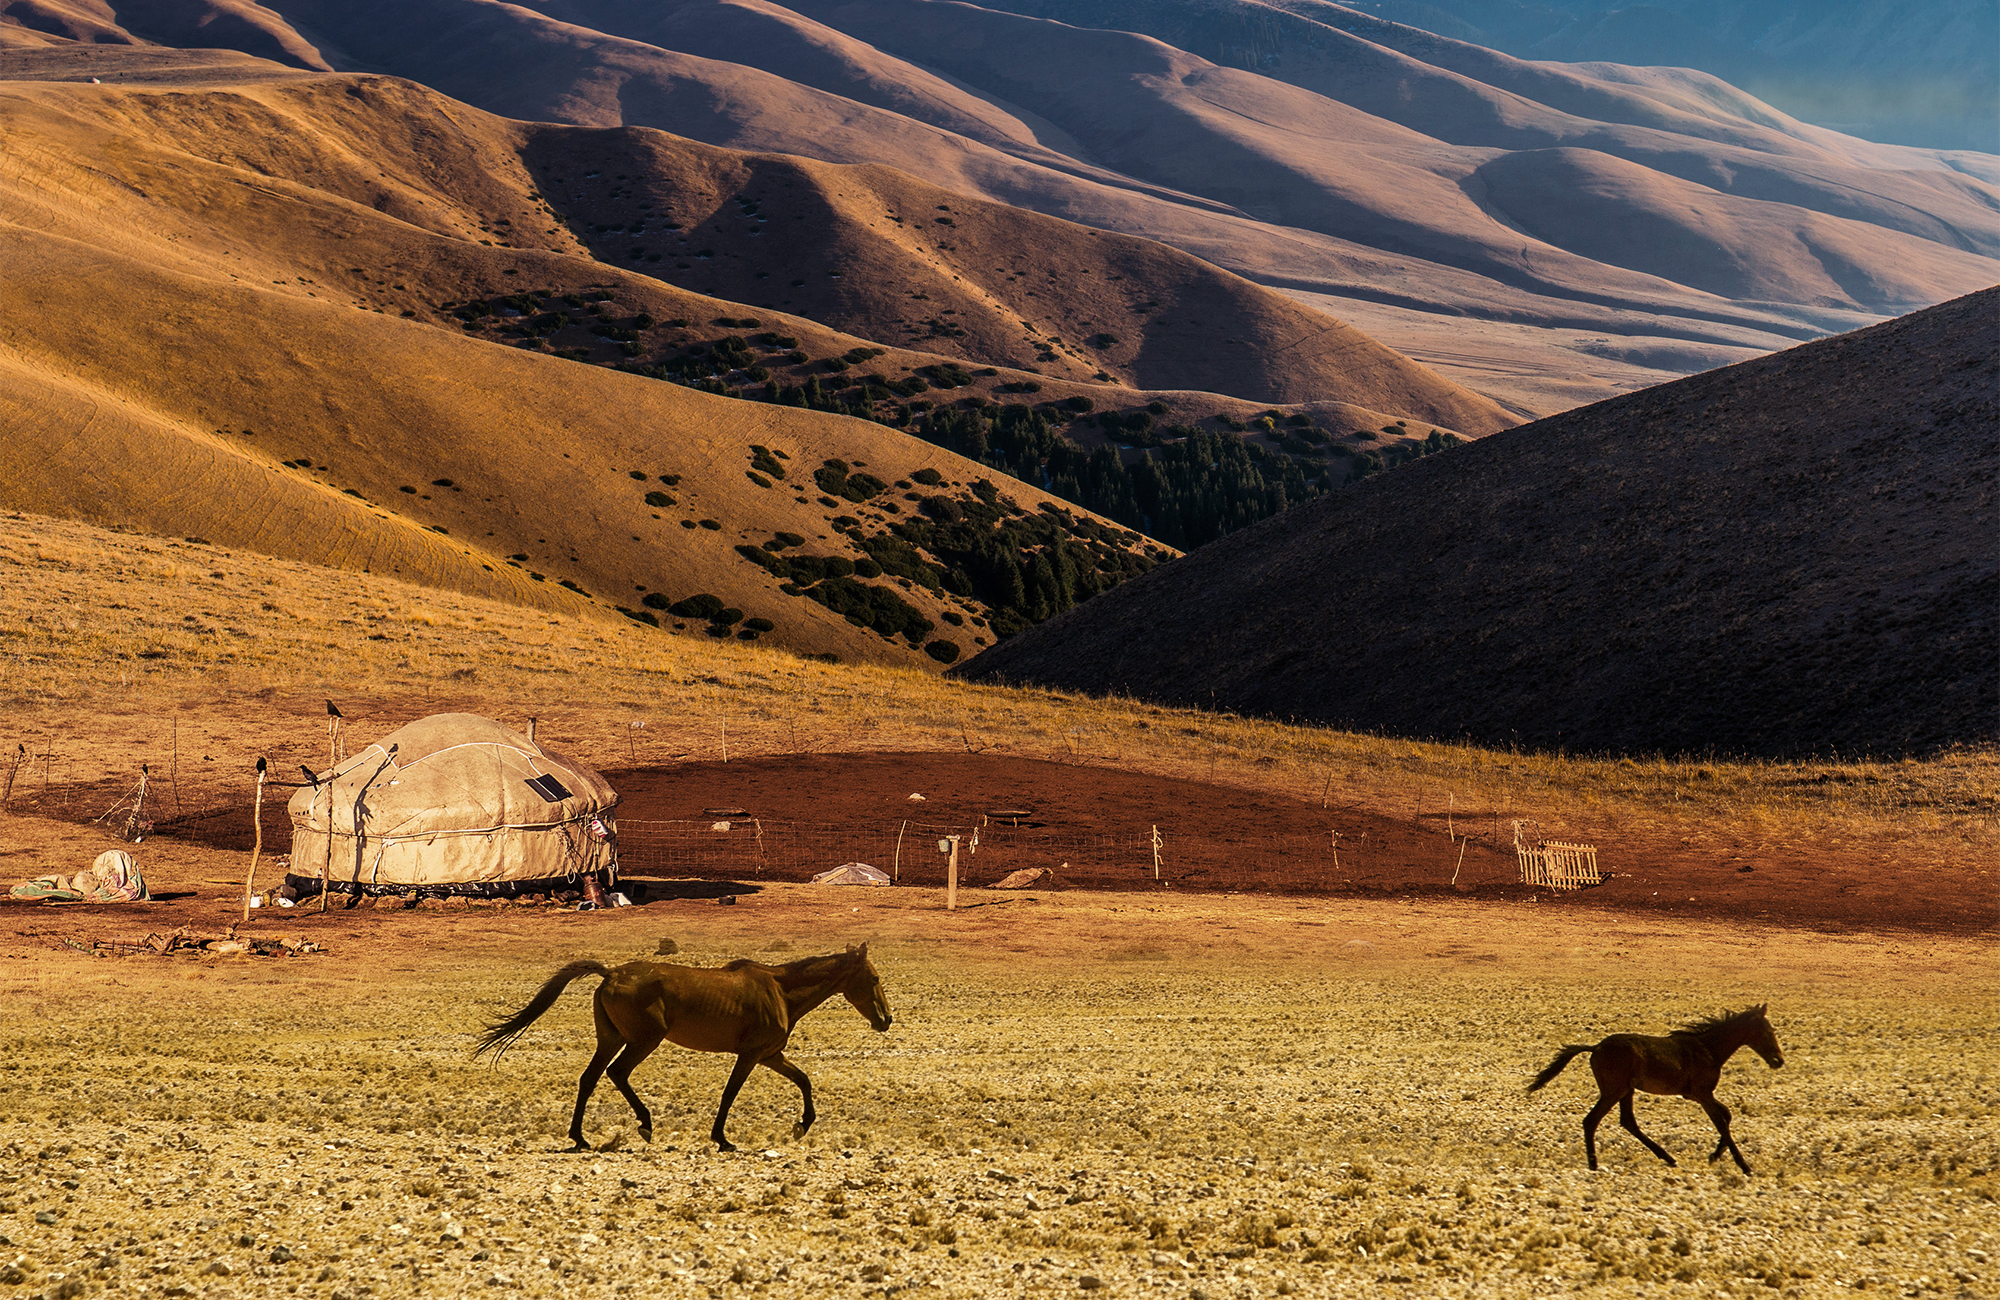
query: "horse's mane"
803, 966
1727, 1020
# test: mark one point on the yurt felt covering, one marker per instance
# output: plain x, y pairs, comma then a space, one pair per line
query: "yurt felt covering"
452, 803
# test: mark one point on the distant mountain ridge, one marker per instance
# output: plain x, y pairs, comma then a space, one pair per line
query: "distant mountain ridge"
1420, 188
1789, 556
1925, 74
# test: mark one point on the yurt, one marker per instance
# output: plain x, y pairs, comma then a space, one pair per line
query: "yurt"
452, 804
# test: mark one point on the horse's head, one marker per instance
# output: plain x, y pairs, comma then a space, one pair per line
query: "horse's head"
1764, 1040
864, 990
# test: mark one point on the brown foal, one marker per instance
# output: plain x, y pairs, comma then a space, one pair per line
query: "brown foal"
746, 1008
1686, 1063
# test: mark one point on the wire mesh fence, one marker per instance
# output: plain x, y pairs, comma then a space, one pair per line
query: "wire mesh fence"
750, 848
909, 851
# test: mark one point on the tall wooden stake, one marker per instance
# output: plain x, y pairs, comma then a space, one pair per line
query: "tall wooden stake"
896, 869
951, 878
1156, 853
257, 849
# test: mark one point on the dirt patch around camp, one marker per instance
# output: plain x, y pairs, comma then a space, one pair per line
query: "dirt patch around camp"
781, 818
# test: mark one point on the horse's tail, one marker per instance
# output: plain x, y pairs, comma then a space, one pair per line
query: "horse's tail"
1555, 1067
500, 1035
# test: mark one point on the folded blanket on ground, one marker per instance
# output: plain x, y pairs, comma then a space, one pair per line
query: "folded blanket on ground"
113, 878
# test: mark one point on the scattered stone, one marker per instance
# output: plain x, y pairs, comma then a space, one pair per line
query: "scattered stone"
219, 1268
873, 1273
46, 1218
1088, 1283
667, 948
282, 1255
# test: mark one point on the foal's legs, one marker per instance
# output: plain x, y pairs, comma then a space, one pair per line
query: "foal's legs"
744, 1064
1630, 1123
780, 1065
1605, 1101
1719, 1115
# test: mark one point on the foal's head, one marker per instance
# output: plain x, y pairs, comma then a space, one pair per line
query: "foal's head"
864, 990
1763, 1040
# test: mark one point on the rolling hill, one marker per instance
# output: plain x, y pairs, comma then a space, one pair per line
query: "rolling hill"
1415, 186
1788, 556
343, 319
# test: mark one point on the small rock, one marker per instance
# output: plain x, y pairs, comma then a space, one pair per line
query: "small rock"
916, 798
873, 1273
282, 1255
727, 900
454, 1231
667, 948
220, 1268
245, 1240
1088, 1283
46, 1218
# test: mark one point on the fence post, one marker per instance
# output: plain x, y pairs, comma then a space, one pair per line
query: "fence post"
896, 870
951, 878
1156, 853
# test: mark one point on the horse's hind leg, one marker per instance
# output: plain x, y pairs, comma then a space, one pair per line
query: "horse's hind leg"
609, 1040
1630, 1123
587, 1085
744, 1064
620, 1074
1719, 1115
1605, 1101
782, 1066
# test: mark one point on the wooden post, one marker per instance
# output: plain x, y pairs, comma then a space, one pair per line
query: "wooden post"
1156, 853
138, 816
531, 727
326, 874
256, 849
896, 868
1327, 792
723, 723
20, 754
951, 877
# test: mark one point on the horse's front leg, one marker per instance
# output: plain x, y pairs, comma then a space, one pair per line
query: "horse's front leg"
1718, 1114
744, 1064
782, 1066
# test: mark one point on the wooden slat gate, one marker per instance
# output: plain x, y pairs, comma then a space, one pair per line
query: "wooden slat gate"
1556, 864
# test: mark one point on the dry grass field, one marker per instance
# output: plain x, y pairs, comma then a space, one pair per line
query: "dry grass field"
1139, 1094
1218, 1096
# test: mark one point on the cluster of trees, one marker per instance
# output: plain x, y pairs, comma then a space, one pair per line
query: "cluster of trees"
1186, 492
1023, 567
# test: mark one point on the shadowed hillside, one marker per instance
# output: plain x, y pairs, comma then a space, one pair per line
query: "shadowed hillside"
1788, 556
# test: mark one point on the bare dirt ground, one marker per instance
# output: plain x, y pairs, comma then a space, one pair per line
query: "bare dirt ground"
1092, 823
1177, 1093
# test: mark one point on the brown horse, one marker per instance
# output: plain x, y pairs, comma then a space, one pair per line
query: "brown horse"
1686, 1063
745, 1008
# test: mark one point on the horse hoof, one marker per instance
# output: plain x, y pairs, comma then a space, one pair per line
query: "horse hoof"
646, 1133
799, 1131
724, 1146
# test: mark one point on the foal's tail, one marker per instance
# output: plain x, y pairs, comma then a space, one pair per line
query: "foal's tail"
500, 1035
1555, 1067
